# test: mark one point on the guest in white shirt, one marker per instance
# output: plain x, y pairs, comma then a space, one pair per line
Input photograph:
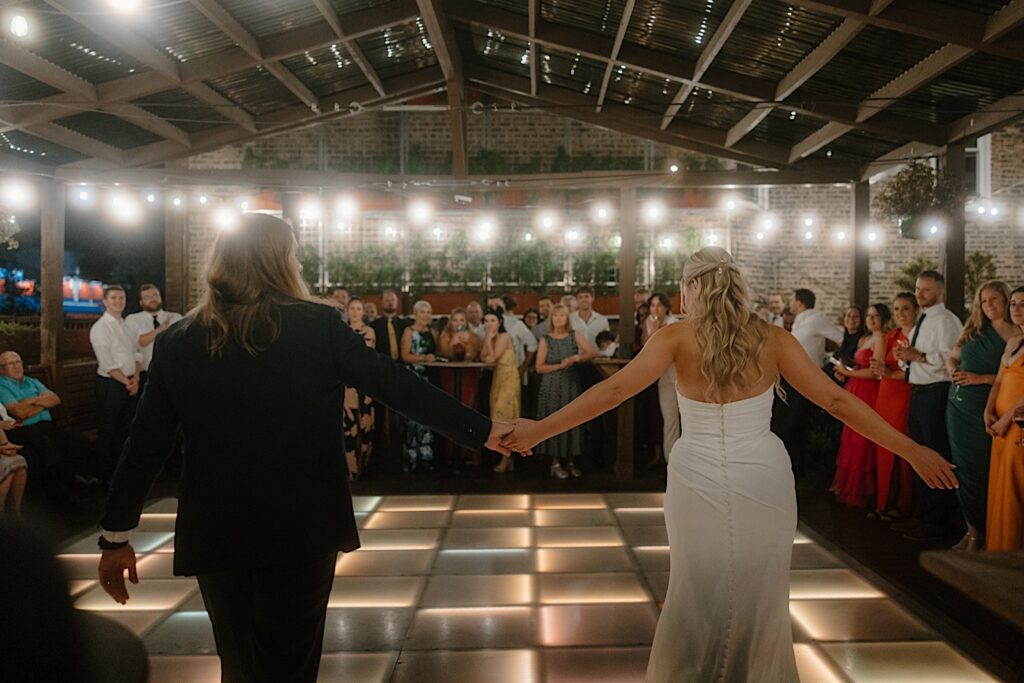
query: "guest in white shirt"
118, 365
661, 316
544, 306
925, 361
776, 307
790, 416
475, 318
340, 298
586, 320
145, 325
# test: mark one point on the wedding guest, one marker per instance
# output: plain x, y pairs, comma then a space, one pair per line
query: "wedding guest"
49, 450
606, 345
640, 297
531, 318
370, 312
776, 306
544, 306
559, 353
924, 361
145, 325
570, 302
642, 311
789, 417
523, 342
418, 346
358, 421
973, 367
340, 298
1003, 419
854, 329
586, 320
13, 468
854, 483
895, 476
118, 365
475, 318
390, 327
458, 343
788, 318
661, 316
506, 389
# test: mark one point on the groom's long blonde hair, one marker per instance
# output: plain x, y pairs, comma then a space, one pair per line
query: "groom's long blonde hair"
729, 333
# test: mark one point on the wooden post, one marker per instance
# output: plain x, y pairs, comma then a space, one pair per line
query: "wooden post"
861, 257
627, 280
51, 323
175, 292
956, 257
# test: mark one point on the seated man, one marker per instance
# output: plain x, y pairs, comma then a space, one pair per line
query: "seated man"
47, 448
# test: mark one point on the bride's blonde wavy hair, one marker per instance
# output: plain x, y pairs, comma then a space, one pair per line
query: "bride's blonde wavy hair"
729, 332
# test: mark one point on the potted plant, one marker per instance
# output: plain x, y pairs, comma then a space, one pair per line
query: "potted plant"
916, 198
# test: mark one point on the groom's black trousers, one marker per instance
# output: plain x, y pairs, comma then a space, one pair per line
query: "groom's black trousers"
268, 622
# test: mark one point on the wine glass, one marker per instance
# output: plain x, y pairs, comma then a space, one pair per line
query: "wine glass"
1019, 421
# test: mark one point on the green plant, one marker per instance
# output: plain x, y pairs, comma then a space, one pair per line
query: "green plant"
487, 161
9, 328
980, 268
914, 192
906, 278
310, 260
8, 229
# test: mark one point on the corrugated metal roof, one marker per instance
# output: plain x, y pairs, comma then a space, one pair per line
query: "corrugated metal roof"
871, 60
63, 41
399, 49
570, 71
267, 17
326, 71
108, 129
598, 16
15, 85
347, 6
255, 90
858, 147
180, 30
518, 6
712, 109
30, 147
182, 109
982, 7
641, 90
779, 129
772, 38
677, 26
495, 49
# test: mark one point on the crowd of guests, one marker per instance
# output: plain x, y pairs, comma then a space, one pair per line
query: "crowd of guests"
955, 387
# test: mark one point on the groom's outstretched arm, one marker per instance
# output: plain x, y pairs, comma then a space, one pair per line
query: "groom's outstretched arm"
406, 392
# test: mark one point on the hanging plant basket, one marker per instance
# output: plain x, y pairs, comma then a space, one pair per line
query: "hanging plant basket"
917, 199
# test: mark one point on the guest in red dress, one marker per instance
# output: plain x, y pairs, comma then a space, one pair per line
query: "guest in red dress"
854, 484
895, 476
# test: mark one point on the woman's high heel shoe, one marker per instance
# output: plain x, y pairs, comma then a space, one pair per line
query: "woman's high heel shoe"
506, 464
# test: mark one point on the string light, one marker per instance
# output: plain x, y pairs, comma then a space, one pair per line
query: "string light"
225, 218
420, 211
547, 220
123, 208
18, 195
203, 199
18, 26
602, 213
654, 211
346, 207
125, 6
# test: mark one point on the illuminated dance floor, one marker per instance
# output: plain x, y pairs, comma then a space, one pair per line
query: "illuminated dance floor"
515, 589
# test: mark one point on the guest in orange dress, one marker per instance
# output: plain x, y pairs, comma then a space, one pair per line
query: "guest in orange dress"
1005, 530
854, 483
894, 474
459, 343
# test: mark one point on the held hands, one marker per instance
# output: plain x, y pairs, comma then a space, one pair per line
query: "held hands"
499, 431
112, 566
523, 438
936, 471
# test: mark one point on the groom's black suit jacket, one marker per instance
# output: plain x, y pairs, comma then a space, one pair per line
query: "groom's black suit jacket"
264, 479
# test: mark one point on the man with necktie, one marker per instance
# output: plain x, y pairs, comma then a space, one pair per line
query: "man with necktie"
389, 327
924, 364
145, 325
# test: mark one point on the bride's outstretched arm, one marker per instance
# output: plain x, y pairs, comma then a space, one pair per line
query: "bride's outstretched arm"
639, 373
798, 369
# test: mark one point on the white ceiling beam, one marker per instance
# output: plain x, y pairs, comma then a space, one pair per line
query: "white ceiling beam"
620, 35
351, 46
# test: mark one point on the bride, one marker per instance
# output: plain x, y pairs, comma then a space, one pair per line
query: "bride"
730, 507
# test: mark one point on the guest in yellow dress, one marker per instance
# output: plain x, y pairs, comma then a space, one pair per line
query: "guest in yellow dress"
506, 387
1006, 474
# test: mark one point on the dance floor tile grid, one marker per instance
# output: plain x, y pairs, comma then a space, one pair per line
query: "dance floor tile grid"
517, 588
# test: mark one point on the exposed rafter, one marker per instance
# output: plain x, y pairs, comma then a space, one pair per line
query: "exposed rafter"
223, 20
27, 62
707, 55
620, 35
83, 144
625, 119
992, 117
662, 65
533, 16
442, 37
944, 23
897, 157
351, 46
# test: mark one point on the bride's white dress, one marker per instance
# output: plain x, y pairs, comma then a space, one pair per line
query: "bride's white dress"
730, 510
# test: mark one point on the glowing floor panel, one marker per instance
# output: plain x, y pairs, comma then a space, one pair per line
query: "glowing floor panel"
520, 588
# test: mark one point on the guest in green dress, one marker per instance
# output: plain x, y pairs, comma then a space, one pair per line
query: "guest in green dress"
973, 366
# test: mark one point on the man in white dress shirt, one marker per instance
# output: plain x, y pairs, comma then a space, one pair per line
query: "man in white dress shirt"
475, 318
145, 325
924, 361
118, 365
776, 307
586, 320
789, 417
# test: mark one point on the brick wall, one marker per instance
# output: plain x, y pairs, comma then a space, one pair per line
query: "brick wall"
781, 262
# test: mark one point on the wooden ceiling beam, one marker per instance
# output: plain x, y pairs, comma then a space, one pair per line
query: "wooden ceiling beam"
620, 35
351, 46
31, 64
533, 17
707, 55
442, 37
